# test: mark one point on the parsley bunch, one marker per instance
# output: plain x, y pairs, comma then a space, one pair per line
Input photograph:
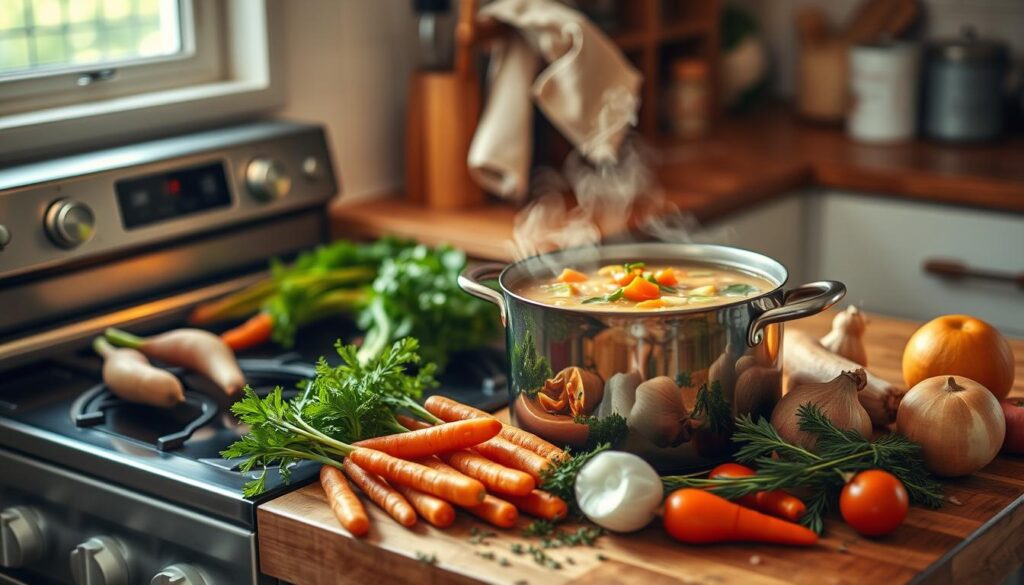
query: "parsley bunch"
341, 405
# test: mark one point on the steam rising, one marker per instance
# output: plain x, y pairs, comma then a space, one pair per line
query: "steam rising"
617, 202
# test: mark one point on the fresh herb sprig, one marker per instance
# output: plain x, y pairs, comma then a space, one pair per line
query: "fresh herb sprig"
608, 298
838, 454
560, 478
340, 406
611, 429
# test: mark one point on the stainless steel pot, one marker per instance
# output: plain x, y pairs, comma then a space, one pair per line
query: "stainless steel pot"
676, 377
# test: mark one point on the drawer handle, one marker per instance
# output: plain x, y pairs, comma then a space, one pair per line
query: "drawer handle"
958, 270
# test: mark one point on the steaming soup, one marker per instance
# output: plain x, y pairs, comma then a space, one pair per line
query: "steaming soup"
640, 286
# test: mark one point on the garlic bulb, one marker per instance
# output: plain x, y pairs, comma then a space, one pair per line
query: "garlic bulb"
957, 422
846, 338
837, 400
658, 413
618, 491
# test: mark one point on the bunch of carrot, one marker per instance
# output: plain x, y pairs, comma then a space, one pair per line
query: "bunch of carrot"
462, 457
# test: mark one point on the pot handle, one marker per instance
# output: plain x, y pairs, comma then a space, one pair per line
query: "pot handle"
469, 281
802, 301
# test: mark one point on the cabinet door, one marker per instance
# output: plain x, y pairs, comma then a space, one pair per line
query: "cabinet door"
878, 247
774, 229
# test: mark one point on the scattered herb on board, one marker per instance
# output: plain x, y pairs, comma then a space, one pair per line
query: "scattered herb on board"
610, 429
838, 453
538, 528
542, 558
533, 369
489, 555
477, 536
602, 557
560, 478
518, 548
426, 559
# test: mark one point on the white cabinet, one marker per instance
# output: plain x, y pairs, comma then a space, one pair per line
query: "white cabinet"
878, 247
774, 229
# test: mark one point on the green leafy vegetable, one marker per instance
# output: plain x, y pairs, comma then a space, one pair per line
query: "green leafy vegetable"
416, 294
608, 298
838, 453
738, 289
631, 266
712, 409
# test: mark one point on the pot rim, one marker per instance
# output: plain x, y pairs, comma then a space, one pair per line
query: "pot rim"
734, 251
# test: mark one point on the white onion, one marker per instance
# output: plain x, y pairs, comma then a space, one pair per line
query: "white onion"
618, 491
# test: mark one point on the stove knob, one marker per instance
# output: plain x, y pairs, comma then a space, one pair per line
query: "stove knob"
99, 561
267, 179
179, 574
69, 223
22, 537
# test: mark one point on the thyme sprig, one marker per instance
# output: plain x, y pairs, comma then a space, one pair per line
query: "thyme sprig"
838, 454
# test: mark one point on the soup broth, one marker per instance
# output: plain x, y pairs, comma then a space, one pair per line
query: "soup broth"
645, 286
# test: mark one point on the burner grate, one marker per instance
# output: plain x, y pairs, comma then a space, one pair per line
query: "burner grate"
169, 429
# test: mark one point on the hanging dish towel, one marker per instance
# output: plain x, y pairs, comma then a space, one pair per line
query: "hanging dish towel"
588, 91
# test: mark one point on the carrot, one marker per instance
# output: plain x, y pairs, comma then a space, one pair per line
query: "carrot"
435, 439
666, 277
411, 423
695, 516
448, 410
651, 304
774, 502
496, 477
382, 494
570, 275
510, 455
460, 489
540, 504
493, 510
641, 289
255, 331
434, 510
344, 502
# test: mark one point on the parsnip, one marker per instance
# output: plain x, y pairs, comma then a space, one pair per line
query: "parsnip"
805, 360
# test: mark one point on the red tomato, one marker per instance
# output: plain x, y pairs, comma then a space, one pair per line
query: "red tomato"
874, 502
1014, 414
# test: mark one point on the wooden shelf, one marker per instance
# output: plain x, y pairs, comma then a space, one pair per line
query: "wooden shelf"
684, 31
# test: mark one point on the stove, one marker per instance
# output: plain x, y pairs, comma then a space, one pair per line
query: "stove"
94, 489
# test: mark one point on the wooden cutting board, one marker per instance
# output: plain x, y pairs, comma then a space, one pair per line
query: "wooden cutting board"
978, 540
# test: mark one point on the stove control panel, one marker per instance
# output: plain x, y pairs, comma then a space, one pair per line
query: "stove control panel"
111, 202
101, 560
22, 537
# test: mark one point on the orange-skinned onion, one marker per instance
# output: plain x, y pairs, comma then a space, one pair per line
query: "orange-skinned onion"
957, 422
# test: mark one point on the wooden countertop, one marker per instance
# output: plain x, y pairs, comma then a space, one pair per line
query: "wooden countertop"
978, 540
747, 160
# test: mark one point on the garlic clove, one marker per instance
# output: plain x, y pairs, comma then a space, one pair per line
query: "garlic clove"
620, 394
618, 491
658, 413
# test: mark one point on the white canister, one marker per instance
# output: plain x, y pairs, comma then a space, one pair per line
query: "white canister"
883, 92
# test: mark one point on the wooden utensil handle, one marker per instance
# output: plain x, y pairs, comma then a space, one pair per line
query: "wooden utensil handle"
958, 270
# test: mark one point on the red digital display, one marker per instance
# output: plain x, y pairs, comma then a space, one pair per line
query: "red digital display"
173, 186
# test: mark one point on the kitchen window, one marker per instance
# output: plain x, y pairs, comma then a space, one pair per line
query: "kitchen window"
73, 51
91, 71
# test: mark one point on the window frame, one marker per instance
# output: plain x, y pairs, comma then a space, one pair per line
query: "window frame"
244, 81
199, 61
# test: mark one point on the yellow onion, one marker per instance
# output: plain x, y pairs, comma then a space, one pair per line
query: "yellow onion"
837, 400
957, 422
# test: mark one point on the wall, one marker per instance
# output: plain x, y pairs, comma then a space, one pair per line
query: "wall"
1001, 19
346, 64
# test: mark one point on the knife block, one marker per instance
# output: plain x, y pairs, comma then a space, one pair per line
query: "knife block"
443, 110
